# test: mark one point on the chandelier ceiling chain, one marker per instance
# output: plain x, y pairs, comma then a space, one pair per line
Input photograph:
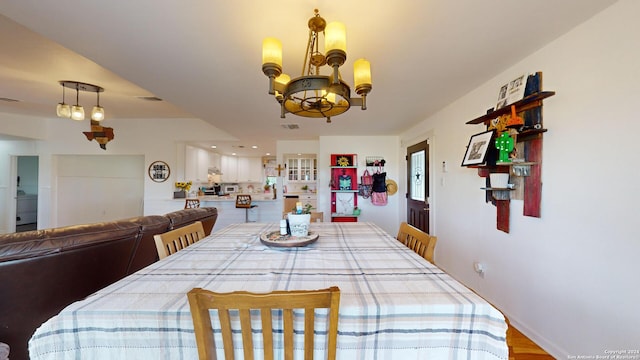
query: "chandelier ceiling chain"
312, 94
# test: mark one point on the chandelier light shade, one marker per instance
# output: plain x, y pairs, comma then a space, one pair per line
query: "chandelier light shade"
313, 94
97, 113
76, 112
63, 110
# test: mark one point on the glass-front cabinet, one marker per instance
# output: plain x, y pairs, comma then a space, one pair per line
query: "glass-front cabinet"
302, 169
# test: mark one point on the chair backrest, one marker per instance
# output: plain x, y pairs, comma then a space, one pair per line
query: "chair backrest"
317, 216
191, 203
200, 301
417, 240
243, 201
175, 240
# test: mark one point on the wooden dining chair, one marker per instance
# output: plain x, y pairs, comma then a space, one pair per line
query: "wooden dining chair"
191, 203
201, 301
175, 240
417, 240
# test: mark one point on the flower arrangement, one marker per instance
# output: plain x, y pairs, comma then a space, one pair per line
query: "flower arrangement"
184, 185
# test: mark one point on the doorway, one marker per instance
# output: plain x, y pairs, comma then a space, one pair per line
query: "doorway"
418, 185
27, 193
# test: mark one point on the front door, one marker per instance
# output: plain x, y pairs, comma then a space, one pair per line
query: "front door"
418, 185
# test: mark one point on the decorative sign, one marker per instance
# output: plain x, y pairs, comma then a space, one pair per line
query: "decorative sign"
99, 133
159, 171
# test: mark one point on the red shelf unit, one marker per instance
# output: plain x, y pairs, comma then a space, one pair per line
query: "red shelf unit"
344, 187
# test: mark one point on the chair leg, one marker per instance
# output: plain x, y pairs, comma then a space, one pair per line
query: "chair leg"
246, 215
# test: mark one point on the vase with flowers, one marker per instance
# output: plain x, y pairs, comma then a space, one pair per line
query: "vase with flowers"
184, 187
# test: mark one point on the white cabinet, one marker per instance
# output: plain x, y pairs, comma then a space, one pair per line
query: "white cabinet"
302, 169
196, 165
241, 169
250, 169
229, 167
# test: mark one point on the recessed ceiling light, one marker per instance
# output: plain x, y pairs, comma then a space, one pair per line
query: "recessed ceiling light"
254, 146
267, 154
233, 153
214, 147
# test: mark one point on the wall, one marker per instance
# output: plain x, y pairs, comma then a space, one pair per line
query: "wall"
387, 217
153, 139
567, 279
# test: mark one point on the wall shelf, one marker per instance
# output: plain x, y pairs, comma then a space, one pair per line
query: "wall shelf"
529, 102
528, 142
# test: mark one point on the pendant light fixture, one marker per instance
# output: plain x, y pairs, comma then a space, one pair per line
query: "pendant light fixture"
76, 112
63, 110
97, 113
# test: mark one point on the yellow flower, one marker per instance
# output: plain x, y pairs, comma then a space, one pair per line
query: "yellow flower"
182, 185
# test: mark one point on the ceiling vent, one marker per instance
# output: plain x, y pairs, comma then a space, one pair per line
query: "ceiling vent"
8, 100
149, 98
290, 126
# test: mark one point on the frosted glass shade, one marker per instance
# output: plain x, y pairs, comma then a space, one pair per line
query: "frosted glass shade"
63, 110
77, 112
272, 51
335, 37
361, 73
97, 113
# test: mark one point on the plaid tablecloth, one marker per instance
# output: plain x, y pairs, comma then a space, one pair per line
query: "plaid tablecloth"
394, 304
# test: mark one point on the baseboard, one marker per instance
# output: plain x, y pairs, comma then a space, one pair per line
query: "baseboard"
548, 346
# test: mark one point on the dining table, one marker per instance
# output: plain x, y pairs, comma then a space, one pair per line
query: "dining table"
394, 304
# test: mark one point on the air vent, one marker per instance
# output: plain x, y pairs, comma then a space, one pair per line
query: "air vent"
149, 98
290, 126
9, 100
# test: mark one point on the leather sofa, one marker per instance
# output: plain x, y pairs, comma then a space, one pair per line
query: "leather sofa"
43, 271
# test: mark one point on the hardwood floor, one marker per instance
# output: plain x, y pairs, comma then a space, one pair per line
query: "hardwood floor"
522, 348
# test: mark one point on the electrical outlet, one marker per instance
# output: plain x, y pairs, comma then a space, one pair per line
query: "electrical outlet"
478, 267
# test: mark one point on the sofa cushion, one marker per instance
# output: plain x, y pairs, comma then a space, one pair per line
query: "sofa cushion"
145, 252
180, 218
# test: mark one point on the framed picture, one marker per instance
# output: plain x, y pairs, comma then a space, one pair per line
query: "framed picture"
159, 171
477, 149
512, 91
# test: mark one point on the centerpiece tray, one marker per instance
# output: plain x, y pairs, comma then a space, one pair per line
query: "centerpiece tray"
274, 239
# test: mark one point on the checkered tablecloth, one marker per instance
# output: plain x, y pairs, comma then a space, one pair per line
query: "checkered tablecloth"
394, 304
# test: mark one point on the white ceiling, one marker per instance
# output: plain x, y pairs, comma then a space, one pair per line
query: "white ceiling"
203, 57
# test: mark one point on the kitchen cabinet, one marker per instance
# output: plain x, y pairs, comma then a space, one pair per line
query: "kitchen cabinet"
250, 169
196, 165
303, 169
237, 169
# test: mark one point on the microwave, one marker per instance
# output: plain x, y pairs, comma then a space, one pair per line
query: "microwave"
230, 189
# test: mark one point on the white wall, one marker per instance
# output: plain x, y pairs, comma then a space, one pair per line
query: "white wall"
154, 139
387, 217
568, 279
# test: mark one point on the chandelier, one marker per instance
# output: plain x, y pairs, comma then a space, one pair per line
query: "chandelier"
76, 112
314, 95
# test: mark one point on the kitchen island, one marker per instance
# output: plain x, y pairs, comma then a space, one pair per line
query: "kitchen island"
268, 210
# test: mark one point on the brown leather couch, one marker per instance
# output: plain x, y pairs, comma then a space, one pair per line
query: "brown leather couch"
43, 271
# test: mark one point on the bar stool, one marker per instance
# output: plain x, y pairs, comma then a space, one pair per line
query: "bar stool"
244, 202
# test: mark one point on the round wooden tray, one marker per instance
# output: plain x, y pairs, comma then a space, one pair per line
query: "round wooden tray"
274, 239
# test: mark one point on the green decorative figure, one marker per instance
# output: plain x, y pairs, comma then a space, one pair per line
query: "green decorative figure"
504, 143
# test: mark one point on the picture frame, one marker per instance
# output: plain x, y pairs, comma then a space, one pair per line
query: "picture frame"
159, 171
478, 148
512, 91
